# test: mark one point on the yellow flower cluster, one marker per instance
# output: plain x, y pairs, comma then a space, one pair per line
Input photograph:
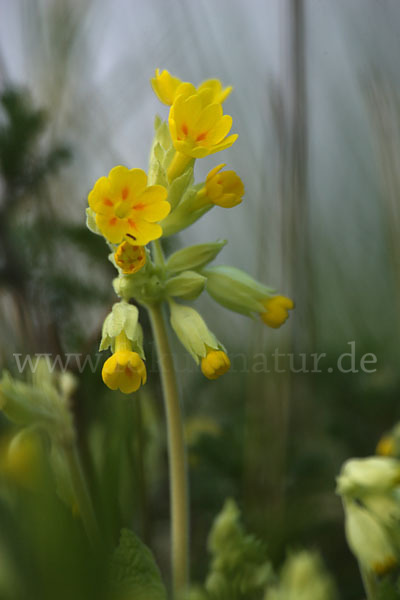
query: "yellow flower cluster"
197, 123
131, 209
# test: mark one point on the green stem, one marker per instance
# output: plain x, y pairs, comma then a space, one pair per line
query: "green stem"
83, 498
176, 451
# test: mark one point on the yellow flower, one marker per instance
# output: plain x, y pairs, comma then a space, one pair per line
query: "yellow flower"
198, 127
126, 208
166, 88
215, 363
124, 370
130, 258
223, 189
276, 311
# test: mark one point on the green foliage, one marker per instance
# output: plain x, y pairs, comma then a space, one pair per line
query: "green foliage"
21, 162
239, 568
134, 573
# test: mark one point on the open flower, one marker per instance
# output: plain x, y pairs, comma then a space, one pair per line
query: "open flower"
276, 311
215, 363
130, 258
126, 208
198, 127
223, 189
124, 370
166, 88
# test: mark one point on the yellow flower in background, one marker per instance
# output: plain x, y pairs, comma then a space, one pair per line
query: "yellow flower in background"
198, 128
126, 208
276, 311
224, 189
215, 363
166, 88
130, 258
124, 370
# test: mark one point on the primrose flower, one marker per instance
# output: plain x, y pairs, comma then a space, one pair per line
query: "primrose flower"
124, 370
126, 208
166, 88
223, 189
130, 258
276, 311
197, 127
215, 363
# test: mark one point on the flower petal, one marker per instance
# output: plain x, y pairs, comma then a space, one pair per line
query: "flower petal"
100, 200
112, 227
142, 232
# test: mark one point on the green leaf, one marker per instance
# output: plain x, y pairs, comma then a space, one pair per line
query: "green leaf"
134, 573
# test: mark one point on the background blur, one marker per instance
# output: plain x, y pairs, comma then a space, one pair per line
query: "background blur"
316, 103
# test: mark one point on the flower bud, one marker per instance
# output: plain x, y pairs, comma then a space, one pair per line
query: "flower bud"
192, 331
223, 189
276, 311
187, 285
194, 257
215, 364
369, 539
236, 290
368, 475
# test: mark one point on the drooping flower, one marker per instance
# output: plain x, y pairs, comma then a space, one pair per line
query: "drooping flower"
198, 340
126, 208
130, 258
215, 363
276, 311
197, 126
223, 189
124, 370
166, 87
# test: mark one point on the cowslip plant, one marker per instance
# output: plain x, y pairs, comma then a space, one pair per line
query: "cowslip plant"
134, 211
370, 492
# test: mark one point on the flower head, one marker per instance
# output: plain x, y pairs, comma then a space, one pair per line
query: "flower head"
126, 208
197, 124
223, 189
215, 363
276, 311
166, 87
130, 258
124, 370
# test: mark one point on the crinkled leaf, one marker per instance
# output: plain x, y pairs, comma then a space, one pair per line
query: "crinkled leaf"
134, 573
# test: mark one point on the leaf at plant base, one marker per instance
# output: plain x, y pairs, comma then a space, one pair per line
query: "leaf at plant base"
134, 573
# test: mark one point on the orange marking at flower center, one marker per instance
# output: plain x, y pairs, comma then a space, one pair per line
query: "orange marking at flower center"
185, 128
139, 206
112, 221
125, 193
132, 224
108, 202
201, 136
128, 371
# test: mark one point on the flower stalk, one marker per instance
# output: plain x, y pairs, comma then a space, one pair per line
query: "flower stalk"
176, 454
